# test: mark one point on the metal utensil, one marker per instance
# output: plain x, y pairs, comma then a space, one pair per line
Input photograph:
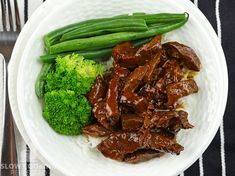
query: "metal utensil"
8, 37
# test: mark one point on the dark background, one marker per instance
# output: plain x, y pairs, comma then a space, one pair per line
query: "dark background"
212, 156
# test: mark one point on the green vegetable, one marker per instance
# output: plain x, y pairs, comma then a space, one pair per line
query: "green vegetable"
66, 108
111, 40
138, 13
141, 42
94, 55
161, 17
54, 36
102, 32
40, 82
115, 25
66, 112
73, 73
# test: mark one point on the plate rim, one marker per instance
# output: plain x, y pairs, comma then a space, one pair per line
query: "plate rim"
21, 39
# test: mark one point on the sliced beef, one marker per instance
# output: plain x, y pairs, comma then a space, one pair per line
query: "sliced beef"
142, 155
135, 101
132, 100
167, 119
162, 143
128, 96
121, 72
131, 122
171, 73
126, 55
119, 144
180, 89
181, 122
135, 78
98, 91
96, 130
108, 75
150, 49
152, 72
107, 112
99, 112
112, 109
184, 54
149, 92
161, 101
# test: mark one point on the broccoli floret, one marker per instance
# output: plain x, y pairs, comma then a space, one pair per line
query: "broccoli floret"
66, 107
72, 72
65, 112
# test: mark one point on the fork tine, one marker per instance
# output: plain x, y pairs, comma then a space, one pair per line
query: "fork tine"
3, 7
17, 16
10, 15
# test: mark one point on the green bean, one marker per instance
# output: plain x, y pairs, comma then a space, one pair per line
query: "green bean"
139, 13
40, 82
141, 42
54, 36
105, 31
161, 17
111, 40
94, 55
122, 15
116, 25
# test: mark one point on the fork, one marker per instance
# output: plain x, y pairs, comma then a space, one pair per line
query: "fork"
9, 164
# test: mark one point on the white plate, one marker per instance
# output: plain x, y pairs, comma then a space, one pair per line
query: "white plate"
75, 156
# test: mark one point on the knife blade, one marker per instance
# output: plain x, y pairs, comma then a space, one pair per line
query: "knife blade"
2, 97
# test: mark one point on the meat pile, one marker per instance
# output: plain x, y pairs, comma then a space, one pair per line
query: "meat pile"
135, 102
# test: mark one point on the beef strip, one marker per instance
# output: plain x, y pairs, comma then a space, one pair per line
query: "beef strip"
161, 100
107, 112
108, 75
112, 99
164, 57
128, 96
164, 132
180, 89
149, 92
150, 48
153, 63
124, 55
121, 72
142, 155
96, 130
130, 57
135, 78
167, 119
98, 91
131, 122
171, 73
119, 144
99, 111
137, 103
184, 54
181, 122
161, 143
